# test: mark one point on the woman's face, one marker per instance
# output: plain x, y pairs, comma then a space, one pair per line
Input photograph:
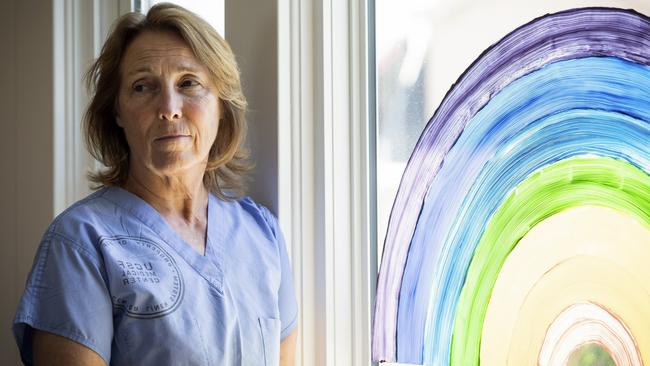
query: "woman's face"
167, 105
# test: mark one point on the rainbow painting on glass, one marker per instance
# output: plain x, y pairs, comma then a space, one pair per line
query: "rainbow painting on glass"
520, 233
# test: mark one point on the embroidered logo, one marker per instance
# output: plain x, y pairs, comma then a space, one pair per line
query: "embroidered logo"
145, 281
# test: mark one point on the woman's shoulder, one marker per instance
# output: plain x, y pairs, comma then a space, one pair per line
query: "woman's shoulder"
81, 221
84, 209
253, 207
247, 207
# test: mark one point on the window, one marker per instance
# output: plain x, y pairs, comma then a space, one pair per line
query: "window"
422, 49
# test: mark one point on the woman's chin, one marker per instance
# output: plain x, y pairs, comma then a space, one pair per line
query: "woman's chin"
172, 164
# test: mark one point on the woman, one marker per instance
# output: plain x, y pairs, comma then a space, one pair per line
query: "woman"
165, 264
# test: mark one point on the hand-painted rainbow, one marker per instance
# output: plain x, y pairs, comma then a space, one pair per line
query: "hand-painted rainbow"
554, 116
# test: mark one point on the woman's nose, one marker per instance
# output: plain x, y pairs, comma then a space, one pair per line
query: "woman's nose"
171, 104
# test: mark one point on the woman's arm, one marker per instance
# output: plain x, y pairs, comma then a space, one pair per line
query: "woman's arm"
288, 349
53, 350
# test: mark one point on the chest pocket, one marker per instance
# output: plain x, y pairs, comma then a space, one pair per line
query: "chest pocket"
270, 329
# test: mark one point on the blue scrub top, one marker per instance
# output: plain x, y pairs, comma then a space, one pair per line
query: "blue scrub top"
111, 274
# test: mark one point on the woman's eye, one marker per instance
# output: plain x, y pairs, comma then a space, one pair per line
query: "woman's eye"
139, 88
189, 83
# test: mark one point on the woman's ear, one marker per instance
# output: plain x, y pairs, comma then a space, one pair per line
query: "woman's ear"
118, 121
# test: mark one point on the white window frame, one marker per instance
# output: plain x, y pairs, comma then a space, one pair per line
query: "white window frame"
80, 28
326, 174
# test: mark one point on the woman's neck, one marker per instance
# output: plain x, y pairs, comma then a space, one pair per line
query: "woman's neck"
179, 197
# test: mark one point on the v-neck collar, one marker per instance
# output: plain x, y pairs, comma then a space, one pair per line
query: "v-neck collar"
209, 265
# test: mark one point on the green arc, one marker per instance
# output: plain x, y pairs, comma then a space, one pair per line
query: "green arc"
568, 183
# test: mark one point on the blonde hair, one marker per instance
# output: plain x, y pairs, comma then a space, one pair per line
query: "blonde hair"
228, 159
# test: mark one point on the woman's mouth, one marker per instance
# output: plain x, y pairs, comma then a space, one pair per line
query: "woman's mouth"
171, 137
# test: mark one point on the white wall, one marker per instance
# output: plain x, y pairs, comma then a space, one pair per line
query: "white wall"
26, 202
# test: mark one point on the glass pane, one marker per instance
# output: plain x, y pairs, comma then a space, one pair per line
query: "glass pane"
403, 35
422, 48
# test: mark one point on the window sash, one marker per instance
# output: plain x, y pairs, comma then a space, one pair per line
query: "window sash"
326, 174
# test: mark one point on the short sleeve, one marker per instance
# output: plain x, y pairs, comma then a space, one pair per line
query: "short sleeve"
286, 295
66, 295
